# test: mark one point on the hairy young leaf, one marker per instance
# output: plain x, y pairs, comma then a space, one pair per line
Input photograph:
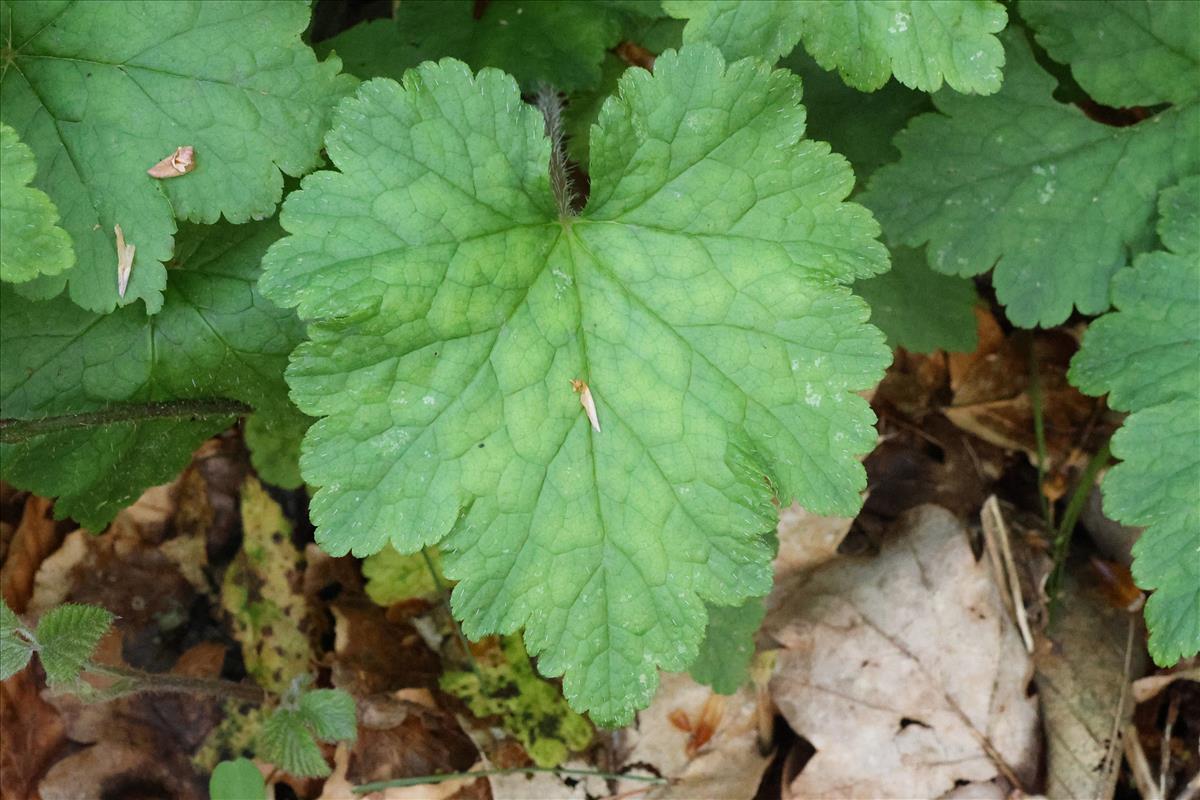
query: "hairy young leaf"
1050, 198
330, 714
728, 648
67, 636
1123, 54
237, 780
31, 243
287, 742
215, 337
920, 42
103, 91
1146, 355
15, 651
455, 318
559, 42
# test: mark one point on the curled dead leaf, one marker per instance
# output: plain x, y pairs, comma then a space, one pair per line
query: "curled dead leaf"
181, 162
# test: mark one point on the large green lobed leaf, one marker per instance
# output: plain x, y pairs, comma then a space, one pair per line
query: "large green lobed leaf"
700, 295
560, 42
215, 337
920, 42
1146, 356
1020, 182
31, 243
101, 91
1123, 54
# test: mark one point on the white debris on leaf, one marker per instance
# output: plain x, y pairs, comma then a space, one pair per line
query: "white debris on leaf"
181, 162
585, 400
124, 261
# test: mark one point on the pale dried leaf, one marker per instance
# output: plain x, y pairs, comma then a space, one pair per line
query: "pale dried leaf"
1084, 689
728, 763
899, 668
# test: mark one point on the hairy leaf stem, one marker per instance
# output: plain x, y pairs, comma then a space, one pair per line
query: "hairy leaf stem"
377, 786
153, 682
551, 106
16, 431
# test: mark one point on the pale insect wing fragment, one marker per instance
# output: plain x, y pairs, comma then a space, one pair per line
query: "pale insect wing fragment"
124, 261
180, 162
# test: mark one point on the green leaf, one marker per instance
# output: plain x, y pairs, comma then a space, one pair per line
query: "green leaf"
1148, 351
394, 577
215, 337
1157, 485
237, 780
533, 710
67, 636
287, 742
559, 42
699, 295
767, 29
728, 648
103, 91
857, 125
1020, 181
1123, 54
330, 714
919, 309
15, 651
920, 42
31, 243
583, 107
274, 442
1179, 224
1146, 355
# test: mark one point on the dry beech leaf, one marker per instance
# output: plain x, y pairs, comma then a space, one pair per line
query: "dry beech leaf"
181, 162
904, 671
1083, 683
717, 756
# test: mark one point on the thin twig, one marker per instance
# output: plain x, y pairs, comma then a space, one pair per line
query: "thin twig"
991, 507
15, 431
1192, 790
1164, 756
1111, 764
422, 780
1039, 434
1139, 766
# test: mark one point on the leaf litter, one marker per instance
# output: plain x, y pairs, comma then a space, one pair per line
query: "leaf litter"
889, 652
